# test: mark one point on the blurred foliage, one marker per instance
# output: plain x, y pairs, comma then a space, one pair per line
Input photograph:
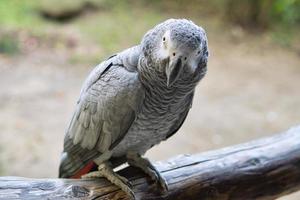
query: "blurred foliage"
127, 20
9, 44
116, 23
247, 13
18, 13
111, 21
286, 11
263, 13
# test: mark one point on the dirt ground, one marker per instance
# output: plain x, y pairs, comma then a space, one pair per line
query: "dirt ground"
251, 90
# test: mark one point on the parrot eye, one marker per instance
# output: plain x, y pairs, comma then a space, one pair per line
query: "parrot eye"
198, 52
174, 54
185, 58
164, 38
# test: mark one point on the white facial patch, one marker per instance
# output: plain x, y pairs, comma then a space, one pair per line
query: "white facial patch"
166, 45
194, 59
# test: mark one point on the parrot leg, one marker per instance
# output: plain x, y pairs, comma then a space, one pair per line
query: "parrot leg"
104, 170
144, 164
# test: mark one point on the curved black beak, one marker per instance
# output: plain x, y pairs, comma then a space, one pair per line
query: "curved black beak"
173, 70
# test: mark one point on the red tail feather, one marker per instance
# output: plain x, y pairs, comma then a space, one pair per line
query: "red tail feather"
85, 170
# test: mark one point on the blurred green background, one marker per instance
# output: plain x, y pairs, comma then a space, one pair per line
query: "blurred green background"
48, 47
279, 18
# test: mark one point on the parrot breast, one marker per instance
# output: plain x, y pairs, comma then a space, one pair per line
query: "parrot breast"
158, 114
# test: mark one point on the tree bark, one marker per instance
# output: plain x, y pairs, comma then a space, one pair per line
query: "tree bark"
263, 169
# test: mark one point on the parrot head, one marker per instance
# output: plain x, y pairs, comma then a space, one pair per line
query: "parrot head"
177, 48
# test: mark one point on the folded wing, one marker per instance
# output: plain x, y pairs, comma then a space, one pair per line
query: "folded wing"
107, 107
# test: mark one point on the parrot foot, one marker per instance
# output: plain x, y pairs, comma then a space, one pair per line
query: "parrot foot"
144, 164
104, 170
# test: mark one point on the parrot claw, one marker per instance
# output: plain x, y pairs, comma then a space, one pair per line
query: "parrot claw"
144, 164
163, 183
157, 178
104, 170
124, 180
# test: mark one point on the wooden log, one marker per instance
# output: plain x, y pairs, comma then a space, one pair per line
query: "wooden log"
263, 169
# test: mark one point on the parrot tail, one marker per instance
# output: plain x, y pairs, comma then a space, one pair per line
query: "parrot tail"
75, 160
71, 167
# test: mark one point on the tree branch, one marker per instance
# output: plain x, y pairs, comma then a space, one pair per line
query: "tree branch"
263, 169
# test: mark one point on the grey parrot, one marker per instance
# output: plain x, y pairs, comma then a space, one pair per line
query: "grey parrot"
133, 101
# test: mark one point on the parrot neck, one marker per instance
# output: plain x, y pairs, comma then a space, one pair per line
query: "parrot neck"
154, 81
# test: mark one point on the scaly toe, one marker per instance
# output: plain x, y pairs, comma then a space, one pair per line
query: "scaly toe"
163, 184
95, 174
131, 194
153, 175
157, 178
125, 181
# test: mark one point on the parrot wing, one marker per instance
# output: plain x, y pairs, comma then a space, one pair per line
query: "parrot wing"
107, 107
